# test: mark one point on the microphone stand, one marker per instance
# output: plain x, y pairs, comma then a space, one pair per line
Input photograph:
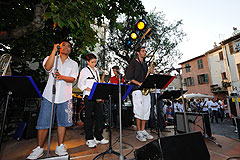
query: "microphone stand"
53, 100
121, 157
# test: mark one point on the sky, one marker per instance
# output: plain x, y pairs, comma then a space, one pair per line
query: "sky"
204, 21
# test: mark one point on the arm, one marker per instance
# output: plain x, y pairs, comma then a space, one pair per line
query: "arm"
49, 64
136, 82
82, 81
65, 78
71, 76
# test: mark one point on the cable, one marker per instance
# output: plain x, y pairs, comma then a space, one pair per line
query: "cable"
233, 158
130, 146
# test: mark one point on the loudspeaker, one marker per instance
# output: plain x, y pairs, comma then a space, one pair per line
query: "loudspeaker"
238, 126
30, 117
195, 121
180, 147
127, 116
234, 106
19, 130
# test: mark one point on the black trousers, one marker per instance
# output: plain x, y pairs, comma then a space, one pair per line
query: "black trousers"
214, 114
93, 113
153, 117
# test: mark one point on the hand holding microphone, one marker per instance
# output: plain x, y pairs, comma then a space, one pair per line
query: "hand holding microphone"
56, 48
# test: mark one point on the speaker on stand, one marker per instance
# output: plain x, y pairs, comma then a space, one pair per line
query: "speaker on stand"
30, 117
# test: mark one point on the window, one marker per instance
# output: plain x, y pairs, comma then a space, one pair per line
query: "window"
231, 48
188, 81
238, 68
203, 79
220, 56
200, 63
237, 46
224, 76
187, 66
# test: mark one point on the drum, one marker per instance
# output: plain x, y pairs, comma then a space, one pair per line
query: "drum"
77, 105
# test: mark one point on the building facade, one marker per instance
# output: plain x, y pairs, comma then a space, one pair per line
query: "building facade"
217, 68
196, 75
231, 53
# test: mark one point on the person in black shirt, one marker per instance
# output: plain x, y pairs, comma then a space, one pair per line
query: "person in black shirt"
136, 74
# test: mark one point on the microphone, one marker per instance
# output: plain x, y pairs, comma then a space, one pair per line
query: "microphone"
118, 72
58, 49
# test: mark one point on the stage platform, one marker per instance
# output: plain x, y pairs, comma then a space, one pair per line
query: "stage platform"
75, 144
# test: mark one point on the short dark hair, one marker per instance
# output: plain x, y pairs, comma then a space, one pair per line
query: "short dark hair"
67, 42
115, 67
90, 56
139, 48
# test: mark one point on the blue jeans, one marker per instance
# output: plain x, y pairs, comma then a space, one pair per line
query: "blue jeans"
63, 112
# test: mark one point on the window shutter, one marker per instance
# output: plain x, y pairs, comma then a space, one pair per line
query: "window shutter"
198, 78
206, 78
185, 81
192, 82
231, 48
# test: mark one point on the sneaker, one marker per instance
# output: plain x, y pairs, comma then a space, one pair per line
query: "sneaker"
37, 152
140, 136
103, 141
91, 143
61, 150
147, 135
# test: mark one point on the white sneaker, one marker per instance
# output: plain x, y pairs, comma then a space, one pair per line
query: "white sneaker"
140, 136
91, 143
61, 150
37, 152
103, 141
147, 135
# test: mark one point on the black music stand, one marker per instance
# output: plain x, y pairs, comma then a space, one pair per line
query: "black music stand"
109, 91
157, 81
173, 94
17, 87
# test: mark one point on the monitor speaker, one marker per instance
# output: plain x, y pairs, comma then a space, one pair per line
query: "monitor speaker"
189, 146
30, 117
195, 121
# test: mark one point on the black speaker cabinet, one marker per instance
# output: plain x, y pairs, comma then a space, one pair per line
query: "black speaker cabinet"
234, 105
195, 121
238, 126
127, 116
189, 146
30, 117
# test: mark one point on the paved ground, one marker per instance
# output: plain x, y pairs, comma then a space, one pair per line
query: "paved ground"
224, 128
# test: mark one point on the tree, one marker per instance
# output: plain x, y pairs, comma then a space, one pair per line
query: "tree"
28, 29
162, 44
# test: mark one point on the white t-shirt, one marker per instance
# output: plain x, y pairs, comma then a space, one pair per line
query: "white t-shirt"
63, 89
216, 106
87, 78
180, 106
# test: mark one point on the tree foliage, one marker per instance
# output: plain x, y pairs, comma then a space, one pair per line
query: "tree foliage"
28, 29
162, 44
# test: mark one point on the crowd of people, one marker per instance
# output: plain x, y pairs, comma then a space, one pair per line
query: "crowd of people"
216, 108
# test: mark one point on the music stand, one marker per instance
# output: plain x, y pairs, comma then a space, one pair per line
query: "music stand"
108, 91
17, 87
173, 94
157, 81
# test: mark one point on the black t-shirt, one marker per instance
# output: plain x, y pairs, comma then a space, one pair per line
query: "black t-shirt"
136, 71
